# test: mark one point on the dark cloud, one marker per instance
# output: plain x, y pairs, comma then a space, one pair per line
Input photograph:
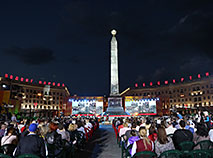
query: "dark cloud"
31, 56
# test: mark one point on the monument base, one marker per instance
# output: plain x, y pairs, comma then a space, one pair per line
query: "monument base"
115, 106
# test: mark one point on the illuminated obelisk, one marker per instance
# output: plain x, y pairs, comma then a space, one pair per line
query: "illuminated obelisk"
114, 101
114, 91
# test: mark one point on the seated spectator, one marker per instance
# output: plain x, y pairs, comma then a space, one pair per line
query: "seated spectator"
138, 123
132, 139
64, 134
181, 135
88, 124
43, 129
81, 127
72, 129
20, 125
31, 144
120, 125
10, 138
52, 137
128, 132
2, 130
190, 126
170, 129
201, 134
152, 134
13, 118
124, 129
211, 134
143, 144
163, 142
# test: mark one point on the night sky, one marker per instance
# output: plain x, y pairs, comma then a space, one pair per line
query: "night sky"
69, 41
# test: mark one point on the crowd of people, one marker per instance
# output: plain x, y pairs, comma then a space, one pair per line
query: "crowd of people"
160, 134
56, 137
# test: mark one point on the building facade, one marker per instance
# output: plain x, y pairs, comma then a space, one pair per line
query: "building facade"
185, 96
38, 99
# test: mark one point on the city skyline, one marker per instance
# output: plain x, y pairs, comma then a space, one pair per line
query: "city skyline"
69, 42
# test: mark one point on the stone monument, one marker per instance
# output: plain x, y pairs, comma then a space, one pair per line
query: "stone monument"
114, 101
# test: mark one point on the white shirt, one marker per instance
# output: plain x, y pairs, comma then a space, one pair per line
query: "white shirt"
170, 130
81, 129
88, 125
123, 131
7, 139
211, 135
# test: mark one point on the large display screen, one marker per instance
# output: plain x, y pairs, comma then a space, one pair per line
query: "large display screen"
140, 105
88, 105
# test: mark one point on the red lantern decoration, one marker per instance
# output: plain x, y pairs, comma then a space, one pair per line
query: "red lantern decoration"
207, 74
63, 85
150, 83
136, 85
49, 83
198, 76
22, 79
173, 81
58, 84
27, 80
31, 80
16, 78
190, 77
166, 82
53, 83
158, 83
182, 79
11, 77
144, 84
6, 75
40, 82
45, 82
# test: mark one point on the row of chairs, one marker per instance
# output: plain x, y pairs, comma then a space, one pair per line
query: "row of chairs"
174, 154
